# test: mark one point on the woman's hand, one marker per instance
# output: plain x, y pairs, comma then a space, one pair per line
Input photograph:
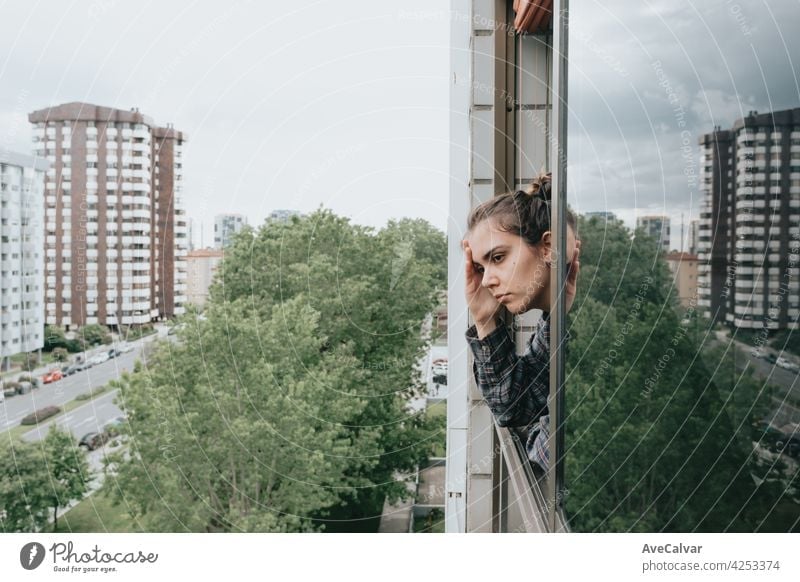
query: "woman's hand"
483, 307
571, 284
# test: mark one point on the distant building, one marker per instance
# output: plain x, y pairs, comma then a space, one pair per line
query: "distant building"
694, 233
749, 233
202, 264
684, 270
657, 227
22, 249
750, 222
225, 226
114, 218
283, 215
602, 214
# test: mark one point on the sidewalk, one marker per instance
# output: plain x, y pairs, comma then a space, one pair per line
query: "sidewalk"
397, 518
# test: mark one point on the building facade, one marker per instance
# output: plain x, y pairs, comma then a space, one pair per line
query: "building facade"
202, 264
115, 227
749, 232
684, 272
658, 227
225, 226
602, 215
21, 254
284, 216
694, 234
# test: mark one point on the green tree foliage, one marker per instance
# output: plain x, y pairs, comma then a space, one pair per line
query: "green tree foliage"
54, 338
38, 478
657, 434
284, 407
24, 489
68, 470
60, 355
94, 334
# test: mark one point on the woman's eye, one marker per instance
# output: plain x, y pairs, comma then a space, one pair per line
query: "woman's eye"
497, 258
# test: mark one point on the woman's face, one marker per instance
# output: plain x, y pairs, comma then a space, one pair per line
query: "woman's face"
517, 274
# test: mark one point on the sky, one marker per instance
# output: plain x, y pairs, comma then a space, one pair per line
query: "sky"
345, 104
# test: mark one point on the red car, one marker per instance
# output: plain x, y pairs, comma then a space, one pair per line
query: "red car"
52, 376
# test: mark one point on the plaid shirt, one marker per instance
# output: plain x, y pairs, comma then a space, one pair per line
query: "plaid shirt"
516, 387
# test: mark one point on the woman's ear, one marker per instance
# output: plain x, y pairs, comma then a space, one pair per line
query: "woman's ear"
546, 247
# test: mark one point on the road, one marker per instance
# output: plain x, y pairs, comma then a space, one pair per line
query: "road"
787, 394
84, 418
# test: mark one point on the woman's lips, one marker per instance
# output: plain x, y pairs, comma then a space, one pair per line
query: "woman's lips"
503, 298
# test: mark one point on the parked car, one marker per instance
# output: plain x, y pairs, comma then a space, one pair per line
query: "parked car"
785, 364
10, 389
24, 387
770, 358
85, 365
788, 444
69, 370
100, 358
125, 347
52, 376
766, 434
33, 380
114, 352
93, 440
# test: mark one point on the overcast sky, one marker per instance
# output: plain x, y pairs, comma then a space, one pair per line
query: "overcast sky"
344, 104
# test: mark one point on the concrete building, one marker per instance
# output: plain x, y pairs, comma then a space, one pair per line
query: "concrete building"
602, 214
749, 236
202, 264
283, 215
694, 233
115, 227
21, 255
657, 227
225, 226
684, 272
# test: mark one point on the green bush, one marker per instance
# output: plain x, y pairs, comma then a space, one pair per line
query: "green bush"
40, 415
74, 346
60, 355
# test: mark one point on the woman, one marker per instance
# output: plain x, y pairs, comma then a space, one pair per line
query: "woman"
508, 251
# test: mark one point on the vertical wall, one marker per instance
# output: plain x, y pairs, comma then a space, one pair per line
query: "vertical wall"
499, 115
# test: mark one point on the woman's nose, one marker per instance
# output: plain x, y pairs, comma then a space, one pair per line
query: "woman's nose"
489, 279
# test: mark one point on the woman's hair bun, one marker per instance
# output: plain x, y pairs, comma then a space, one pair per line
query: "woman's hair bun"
540, 186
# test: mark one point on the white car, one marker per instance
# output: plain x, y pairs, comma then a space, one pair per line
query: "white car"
786, 364
100, 358
125, 347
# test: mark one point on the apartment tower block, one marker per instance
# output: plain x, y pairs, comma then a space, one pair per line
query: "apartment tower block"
749, 231
115, 228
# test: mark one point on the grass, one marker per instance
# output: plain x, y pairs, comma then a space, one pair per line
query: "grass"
96, 514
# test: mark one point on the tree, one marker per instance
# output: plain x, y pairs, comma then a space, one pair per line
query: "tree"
60, 355
284, 409
94, 334
54, 338
68, 469
38, 477
24, 500
654, 430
